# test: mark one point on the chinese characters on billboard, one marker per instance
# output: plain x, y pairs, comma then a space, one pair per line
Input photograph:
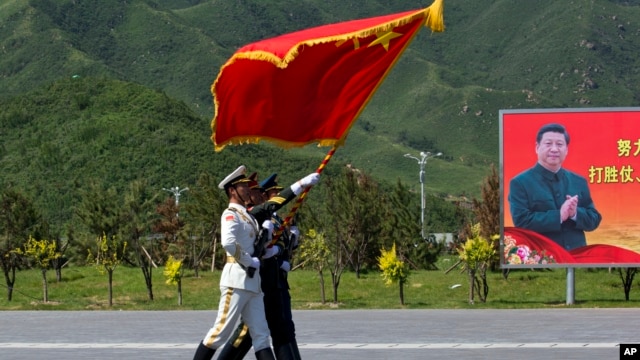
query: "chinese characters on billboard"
570, 187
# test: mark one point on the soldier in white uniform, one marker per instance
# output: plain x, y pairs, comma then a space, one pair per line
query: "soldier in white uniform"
241, 295
272, 282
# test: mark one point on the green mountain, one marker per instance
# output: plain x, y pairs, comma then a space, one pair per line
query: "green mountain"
121, 89
60, 137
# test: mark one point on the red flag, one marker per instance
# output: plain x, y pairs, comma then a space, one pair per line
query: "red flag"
309, 86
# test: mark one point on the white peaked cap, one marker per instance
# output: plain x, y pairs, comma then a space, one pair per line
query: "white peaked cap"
238, 175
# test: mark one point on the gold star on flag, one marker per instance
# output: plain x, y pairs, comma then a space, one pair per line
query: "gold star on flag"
384, 38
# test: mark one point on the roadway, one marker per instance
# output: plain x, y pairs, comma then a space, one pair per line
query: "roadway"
562, 333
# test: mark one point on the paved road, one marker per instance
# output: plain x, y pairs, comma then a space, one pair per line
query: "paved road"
330, 334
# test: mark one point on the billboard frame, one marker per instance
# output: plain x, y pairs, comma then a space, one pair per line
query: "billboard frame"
503, 194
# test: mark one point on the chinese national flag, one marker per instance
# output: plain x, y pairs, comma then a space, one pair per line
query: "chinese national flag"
309, 86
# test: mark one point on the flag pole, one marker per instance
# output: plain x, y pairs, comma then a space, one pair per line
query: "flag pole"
300, 199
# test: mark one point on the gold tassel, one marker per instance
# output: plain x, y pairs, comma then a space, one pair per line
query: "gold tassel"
435, 16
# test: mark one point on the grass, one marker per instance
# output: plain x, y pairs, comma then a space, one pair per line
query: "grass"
84, 288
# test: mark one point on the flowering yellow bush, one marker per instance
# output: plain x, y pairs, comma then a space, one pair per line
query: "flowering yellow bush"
173, 270
476, 252
393, 269
109, 255
314, 250
476, 255
42, 252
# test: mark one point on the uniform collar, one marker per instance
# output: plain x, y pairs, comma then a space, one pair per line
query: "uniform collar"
237, 206
549, 175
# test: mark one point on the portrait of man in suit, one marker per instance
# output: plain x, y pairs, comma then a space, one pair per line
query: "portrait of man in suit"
551, 200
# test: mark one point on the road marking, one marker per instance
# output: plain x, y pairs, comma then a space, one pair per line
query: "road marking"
327, 346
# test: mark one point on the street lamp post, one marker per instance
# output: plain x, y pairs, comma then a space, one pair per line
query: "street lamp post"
424, 156
176, 192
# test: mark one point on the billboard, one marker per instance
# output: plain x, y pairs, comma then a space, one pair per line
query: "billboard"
583, 215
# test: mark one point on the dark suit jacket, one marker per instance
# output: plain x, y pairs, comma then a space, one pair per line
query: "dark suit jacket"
535, 198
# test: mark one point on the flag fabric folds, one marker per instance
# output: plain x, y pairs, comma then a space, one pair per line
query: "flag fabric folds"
310, 86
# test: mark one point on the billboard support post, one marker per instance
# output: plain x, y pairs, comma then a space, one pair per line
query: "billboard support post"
571, 286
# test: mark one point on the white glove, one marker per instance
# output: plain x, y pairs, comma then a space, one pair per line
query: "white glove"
268, 225
294, 231
255, 263
306, 181
295, 236
271, 252
285, 266
310, 179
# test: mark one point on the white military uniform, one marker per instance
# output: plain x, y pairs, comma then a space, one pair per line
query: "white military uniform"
241, 295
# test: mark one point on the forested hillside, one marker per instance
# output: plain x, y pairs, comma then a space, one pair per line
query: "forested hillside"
121, 89
58, 139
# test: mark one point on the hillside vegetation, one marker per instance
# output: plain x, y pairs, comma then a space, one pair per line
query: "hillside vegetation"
59, 138
119, 90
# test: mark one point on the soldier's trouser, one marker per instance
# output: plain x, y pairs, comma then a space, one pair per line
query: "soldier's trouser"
265, 354
203, 353
296, 351
289, 326
236, 303
285, 300
275, 310
284, 352
238, 345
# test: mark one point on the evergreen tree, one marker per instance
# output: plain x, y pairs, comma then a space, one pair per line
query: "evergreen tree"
205, 208
487, 212
137, 215
18, 219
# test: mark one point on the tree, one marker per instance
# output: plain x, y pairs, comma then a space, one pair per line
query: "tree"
18, 220
333, 224
356, 226
109, 254
441, 215
59, 262
42, 253
206, 205
476, 255
487, 211
355, 231
173, 273
368, 213
404, 223
361, 216
169, 224
137, 216
393, 269
627, 280
424, 253
403, 226
99, 209
175, 243
313, 251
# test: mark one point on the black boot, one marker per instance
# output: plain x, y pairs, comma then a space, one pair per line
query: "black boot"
237, 352
283, 352
203, 352
295, 350
265, 354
